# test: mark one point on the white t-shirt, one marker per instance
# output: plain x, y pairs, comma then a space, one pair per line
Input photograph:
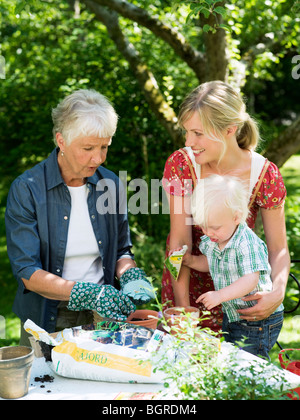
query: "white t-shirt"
82, 258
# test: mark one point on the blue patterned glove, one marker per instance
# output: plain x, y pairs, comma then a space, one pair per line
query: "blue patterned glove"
106, 300
136, 286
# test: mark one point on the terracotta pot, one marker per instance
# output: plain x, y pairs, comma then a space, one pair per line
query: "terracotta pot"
144, 317
177, 314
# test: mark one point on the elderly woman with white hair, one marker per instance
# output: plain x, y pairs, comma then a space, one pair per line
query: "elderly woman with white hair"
65, 246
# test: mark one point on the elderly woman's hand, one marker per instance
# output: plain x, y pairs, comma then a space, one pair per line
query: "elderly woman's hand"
136, 286
106, 300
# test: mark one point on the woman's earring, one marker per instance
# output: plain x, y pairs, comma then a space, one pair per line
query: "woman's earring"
62, 153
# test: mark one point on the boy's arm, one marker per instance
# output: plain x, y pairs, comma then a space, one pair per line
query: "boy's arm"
240, 287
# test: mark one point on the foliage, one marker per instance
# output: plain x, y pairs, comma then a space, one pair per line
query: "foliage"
195, 369
207, 8
49, 52
266, 42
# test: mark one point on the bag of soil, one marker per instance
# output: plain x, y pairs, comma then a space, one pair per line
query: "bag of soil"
108, 351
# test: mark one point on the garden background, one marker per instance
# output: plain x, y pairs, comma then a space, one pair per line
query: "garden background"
145, 56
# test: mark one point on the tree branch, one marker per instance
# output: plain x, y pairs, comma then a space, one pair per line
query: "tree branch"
193, 58
145, 78
285, 145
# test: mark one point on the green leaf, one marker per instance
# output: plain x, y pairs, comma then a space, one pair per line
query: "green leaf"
220, 10
225, 27
190, 16
19, 7
207, 28
205, 12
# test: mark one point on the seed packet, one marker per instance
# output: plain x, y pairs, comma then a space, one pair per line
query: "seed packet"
174, 261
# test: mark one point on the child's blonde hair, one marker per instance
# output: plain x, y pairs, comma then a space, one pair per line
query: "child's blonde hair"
219, 106
217, 190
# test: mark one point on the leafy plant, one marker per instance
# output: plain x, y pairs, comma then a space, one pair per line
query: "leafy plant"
195, 369
207, 8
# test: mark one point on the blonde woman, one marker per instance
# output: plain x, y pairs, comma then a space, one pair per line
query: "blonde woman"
221, 139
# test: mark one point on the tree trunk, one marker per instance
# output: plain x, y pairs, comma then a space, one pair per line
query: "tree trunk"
285, 145
215, 48
145, 78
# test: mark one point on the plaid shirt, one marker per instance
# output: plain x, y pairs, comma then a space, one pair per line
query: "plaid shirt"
245, 253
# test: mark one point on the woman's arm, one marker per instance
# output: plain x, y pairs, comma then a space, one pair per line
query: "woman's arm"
279, 259
123, 264
49, 285
180, 234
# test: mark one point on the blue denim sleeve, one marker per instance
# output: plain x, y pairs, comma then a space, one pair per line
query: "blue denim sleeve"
23, 242
124, 243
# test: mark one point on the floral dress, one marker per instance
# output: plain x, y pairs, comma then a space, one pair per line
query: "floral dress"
178, 180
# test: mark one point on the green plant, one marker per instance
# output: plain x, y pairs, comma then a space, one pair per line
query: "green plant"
195, 368
207, 8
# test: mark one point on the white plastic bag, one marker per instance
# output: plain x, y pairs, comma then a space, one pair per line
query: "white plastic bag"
113, 352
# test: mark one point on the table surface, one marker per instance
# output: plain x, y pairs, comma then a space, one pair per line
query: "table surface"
61, 388
79, 389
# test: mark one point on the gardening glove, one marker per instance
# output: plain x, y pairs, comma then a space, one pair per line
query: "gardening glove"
106, 300
136, 286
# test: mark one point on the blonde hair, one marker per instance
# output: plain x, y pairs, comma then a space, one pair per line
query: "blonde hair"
217, 190
219, 106
84, 112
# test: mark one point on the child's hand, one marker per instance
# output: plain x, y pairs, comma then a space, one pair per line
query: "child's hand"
210, 299
187, 259
173, 250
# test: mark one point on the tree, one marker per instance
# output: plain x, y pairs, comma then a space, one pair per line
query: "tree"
145, 62
145, 56
264, 47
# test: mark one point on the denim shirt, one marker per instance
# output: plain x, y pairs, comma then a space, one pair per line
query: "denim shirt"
37, 220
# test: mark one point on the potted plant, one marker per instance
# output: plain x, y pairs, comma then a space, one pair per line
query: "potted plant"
176, 316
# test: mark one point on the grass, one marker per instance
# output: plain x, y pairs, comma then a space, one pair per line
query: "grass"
10, 326
290, 334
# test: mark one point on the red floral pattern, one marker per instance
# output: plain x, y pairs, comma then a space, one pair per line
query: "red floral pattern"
177, 181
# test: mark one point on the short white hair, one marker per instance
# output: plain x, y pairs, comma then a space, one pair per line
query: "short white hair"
84, 112
215, 191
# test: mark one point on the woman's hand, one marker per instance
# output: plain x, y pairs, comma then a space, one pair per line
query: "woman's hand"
136, 286
106, 300
275, 233
267, 303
